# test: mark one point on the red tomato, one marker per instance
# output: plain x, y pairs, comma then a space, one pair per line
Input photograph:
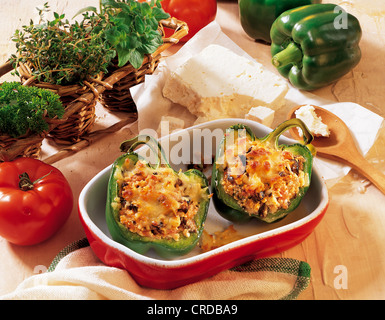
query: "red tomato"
34, 215
196, 13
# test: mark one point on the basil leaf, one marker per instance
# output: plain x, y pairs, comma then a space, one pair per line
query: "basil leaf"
159, 14
133, 56
139, 25
136, 58
112, 36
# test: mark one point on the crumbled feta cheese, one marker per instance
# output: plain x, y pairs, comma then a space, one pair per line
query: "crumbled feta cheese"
314, 123
262, 115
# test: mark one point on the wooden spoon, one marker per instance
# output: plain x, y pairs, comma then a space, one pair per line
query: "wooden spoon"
340, 146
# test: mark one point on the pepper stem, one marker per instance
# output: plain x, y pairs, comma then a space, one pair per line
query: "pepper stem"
273, 137
292, 54
129, 146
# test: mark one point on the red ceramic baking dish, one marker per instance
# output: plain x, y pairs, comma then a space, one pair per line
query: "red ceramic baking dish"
259, 239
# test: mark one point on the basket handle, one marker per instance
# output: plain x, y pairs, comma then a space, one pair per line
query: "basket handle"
181, 30
5, 68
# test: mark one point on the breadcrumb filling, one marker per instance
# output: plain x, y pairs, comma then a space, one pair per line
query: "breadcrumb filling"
158, 203
262, 180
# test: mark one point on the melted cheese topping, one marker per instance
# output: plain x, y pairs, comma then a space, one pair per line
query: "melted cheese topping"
158, 203
262, 180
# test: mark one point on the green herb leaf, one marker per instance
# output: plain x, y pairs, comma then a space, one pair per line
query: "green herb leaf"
139, 25
136, 58
159, 14
130, 28
86, 9
24, 108
112, 35
123, 55
63, 52
60, 52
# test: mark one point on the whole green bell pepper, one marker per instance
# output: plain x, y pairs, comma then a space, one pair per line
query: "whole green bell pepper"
257, 16
165, 247
315, 45
229, 207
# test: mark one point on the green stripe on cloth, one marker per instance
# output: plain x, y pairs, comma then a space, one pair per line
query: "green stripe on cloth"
82, 243
294, 267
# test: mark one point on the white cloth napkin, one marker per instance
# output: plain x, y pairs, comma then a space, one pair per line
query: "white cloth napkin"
77, 274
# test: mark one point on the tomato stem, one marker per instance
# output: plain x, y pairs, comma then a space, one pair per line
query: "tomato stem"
25, 182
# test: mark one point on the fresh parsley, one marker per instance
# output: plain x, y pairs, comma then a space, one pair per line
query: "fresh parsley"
24, 109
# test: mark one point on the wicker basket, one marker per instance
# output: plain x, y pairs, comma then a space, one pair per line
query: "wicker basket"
79, 101
25, 146
119, 98
29, 145
69, 130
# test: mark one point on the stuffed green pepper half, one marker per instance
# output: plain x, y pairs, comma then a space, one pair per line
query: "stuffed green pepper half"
153, 206
257, 177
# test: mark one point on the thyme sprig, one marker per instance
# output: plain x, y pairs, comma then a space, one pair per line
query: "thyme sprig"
24, 109
62, 52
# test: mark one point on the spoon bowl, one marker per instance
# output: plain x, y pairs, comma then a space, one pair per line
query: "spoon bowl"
339, 133
341, 146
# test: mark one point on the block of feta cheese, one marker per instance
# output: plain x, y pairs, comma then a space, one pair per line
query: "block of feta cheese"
262, 115
218, 83
314, 123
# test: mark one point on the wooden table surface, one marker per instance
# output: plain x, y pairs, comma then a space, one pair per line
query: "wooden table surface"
347, 249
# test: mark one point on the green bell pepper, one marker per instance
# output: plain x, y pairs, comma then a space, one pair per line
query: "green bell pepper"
257, 16
315, 45
155, 238
232, 205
